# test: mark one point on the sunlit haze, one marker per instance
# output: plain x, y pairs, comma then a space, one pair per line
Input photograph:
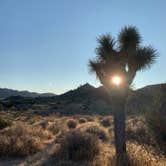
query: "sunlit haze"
45, 45
116, 80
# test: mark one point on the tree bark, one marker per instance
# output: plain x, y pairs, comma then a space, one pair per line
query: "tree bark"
119, 131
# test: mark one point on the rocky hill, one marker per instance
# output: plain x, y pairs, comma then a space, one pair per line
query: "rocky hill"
86, 99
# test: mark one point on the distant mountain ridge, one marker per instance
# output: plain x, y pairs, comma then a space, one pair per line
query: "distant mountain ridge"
5, 93
85, 99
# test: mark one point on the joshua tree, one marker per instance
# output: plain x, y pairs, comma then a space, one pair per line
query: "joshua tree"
115, 66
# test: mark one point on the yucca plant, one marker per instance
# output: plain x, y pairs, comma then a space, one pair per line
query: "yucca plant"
115, 66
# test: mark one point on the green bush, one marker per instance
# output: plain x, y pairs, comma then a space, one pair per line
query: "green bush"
4, 123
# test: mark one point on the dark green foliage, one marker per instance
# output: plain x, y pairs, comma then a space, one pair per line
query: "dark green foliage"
145, 57
129, 52
129, 37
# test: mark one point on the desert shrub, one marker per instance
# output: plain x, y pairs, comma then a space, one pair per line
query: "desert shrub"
82, 120
98, 131
71, 123
34, 119
157, 125
136, 130
54, 128
19, 146
78, 146
156, 118
4, 123
44, 124
89, 118
138, 155
22, 140
57, 126
23, 129
106, 122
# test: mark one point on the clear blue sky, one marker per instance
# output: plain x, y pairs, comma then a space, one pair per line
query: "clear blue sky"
45, 44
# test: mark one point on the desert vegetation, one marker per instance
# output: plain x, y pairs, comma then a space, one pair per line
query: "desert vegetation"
87, 143
27, 138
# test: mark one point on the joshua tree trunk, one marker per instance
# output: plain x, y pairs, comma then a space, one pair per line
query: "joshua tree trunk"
119, 130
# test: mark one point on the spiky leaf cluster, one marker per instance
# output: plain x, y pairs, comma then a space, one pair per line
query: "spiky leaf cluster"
113, 56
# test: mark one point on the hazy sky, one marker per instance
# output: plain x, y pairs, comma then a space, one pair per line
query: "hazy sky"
45, 44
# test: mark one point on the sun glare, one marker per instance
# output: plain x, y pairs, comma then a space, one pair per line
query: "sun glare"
116, 80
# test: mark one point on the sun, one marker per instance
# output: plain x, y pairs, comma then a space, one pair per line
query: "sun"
116, 80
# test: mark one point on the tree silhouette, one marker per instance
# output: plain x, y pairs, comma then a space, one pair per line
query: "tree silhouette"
122, 58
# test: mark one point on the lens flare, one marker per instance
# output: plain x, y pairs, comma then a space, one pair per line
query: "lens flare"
116, 80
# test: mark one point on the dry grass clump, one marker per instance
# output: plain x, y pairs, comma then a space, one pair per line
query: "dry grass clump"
136, 130
4, 123
44, 124
156, 117
82, 120
138, 155
79, 146
98, 131
157, 125
58, 126
33, 119
81, 149
89, 118
24, 129
71, 123
22, 140
54, 128
106, 122
19, 146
